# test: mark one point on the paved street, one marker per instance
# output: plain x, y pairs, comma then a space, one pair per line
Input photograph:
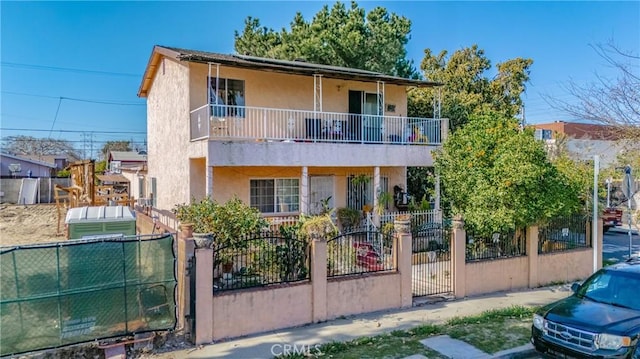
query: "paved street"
616, 244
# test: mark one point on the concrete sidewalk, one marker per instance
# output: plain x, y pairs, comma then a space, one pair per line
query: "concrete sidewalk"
269, 344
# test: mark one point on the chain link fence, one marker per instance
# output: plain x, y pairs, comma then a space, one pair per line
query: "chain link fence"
70, 292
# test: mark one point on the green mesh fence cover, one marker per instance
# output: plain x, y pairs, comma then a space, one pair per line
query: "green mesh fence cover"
77, 291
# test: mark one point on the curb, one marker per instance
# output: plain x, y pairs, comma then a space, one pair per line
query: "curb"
521, 352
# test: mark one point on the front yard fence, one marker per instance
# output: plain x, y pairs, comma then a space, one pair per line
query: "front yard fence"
563, 234
496, 245
261, 259
358, 251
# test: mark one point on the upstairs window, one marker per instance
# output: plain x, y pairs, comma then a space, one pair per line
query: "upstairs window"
226, 96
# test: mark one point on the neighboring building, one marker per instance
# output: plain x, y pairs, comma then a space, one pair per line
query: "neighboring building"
584, 140
18, 166
61, 161
284, 136
128, 167
119, 160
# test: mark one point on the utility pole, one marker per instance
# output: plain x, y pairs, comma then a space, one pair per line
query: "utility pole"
629, 191
596, 232
84, 145
91, 145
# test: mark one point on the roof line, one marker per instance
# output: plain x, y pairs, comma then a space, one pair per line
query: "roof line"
28, 160
267, 64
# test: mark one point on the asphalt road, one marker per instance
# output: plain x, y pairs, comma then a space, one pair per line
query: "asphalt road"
616, 244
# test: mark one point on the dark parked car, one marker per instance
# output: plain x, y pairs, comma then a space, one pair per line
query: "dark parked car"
601, 319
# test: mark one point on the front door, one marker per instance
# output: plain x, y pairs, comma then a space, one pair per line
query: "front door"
365, 124
321, 194
354, 127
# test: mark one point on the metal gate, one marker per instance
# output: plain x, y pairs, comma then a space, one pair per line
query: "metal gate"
432, 270
191, 318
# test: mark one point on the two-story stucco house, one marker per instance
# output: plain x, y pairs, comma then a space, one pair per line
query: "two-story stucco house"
283, 136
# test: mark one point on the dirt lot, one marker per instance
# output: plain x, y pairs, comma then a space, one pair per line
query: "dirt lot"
20, 225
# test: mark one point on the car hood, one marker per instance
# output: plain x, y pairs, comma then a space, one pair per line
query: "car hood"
592, 316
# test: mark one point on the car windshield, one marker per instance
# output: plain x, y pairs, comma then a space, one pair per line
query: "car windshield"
616, 288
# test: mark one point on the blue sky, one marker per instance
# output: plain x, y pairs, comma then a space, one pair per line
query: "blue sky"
77, 66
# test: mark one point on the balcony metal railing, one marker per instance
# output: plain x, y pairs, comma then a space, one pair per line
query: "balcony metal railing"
271, 124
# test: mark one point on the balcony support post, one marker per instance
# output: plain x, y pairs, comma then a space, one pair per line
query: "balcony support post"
317, 93
304, 191
209, 179
380, 94
377, 189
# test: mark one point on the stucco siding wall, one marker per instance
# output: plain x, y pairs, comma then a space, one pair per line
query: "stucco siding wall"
279, 90
565, 266
168, 133
245, 312
134, 184
497, 275
230, 181
347, 296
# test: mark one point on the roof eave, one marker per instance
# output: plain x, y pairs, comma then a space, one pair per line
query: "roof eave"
152, 67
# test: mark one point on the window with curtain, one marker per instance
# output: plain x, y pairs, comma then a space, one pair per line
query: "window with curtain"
227, 97
280, 195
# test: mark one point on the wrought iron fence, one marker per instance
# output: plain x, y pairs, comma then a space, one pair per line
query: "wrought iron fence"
360, 250
420, 220
564, 233
496, 245
433, 237
261, 259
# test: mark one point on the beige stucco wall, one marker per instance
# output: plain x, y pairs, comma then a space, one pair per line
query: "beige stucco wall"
279, 90
168, 133
197, 177
230, 181
353, 295
496, 275
565, 266
240, 313
134, 183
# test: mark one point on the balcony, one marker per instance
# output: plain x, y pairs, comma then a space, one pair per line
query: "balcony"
243, 123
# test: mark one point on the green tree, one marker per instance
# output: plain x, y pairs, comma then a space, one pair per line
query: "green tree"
467, 89
339, 36
498, 176
114, 146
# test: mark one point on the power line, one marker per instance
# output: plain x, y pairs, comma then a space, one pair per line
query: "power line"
56, 116
74, 131
103, 102
79, 141
66, 69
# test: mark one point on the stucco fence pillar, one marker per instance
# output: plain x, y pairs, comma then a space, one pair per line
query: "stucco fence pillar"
458, 252
532, 252
204, 294
319, 278
403, 251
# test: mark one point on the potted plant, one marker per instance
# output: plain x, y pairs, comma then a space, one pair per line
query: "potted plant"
348, 217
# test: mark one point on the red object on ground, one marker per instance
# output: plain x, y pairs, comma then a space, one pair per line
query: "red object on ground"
367, 257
